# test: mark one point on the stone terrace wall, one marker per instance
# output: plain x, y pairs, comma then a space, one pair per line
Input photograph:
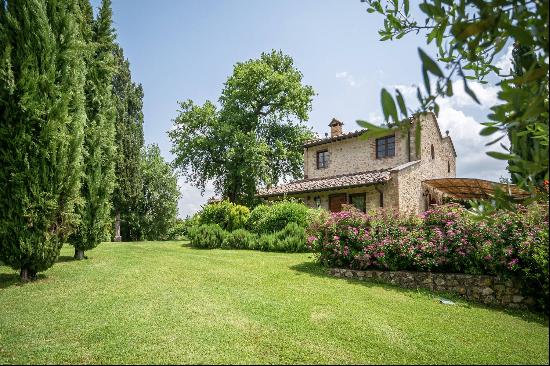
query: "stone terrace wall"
489, 290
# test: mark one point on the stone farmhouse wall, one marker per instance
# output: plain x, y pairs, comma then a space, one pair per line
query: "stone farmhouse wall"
352, 155
409, 180
488, 290
404, 191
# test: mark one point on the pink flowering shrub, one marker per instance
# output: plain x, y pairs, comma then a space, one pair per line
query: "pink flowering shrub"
444, 239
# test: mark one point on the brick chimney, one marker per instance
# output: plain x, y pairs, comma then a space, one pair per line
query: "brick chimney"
335, 127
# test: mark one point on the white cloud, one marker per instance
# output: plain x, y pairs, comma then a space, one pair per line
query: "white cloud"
191, 199
454, 115
347, 77
505, 61
486, 94
472, 160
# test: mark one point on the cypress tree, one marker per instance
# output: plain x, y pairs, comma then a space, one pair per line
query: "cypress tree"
42, 75
99, 146
127, 196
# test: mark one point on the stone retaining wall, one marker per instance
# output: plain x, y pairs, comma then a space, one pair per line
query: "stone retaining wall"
489, 290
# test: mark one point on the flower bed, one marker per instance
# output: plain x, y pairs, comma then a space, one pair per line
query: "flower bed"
445, 239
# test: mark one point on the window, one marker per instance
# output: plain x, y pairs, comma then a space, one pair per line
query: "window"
322, 159
317, 201
385, 147
448, 166
358, 200
381, 198
433, 152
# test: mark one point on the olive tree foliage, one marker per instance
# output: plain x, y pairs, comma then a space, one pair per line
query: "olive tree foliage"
42, 116
98, 178
128, 97
158, 207
254, 138
468, 35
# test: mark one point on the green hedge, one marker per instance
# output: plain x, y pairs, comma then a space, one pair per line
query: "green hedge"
227, 215
291, 238
273, 217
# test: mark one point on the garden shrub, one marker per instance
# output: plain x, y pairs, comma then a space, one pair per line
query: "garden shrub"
240, 239
207, 236
226, 214
291, 239
270, 218
443, 239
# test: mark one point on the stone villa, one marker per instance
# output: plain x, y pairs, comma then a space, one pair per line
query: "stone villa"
346, 168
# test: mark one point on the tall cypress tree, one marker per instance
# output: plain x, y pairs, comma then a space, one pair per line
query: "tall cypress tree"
42, 113
129, 139
99, 146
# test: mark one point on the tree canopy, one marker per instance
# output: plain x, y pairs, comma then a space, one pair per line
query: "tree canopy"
254, 138
99, 146
159, 204
128, 97
42, 116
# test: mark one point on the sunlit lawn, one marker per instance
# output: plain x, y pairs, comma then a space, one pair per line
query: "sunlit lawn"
167, 303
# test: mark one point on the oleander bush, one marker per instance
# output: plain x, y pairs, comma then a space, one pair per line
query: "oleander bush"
444, 239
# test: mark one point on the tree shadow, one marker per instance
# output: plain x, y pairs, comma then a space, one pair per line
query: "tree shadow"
317, 270
65, 258
13, 279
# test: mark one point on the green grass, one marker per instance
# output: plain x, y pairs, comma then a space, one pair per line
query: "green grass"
167, 303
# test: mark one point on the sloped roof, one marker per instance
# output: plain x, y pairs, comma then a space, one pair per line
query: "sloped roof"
327, 139
328, 183
470, 188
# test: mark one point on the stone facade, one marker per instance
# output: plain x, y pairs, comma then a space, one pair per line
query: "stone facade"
352, 154
488, 290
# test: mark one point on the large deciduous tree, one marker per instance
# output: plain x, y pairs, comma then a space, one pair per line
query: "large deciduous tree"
127, 195
160, 194
255, 138
42, 114
99, 146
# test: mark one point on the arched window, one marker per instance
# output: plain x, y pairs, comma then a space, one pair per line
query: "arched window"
433, 152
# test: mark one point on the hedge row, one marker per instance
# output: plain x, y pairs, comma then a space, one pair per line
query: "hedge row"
291, 238
263, 219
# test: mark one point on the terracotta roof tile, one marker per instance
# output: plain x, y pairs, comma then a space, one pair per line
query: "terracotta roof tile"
328, 183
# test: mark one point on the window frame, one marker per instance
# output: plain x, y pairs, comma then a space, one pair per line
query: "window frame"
325, 159
364, 195
383, 143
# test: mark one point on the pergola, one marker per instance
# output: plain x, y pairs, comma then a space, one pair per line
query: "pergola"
471, 188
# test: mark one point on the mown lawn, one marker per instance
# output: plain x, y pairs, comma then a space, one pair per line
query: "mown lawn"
167, 303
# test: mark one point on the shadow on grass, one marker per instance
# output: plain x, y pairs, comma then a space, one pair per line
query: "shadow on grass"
315, 269
12, 279
65, 258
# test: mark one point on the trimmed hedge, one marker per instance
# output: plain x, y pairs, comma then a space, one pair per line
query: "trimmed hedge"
291, 239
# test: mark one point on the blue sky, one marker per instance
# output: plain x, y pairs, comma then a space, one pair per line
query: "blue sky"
184, 50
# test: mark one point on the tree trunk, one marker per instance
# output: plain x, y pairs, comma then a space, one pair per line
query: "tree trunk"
24, 274
27, 274
117, 227
78, 254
